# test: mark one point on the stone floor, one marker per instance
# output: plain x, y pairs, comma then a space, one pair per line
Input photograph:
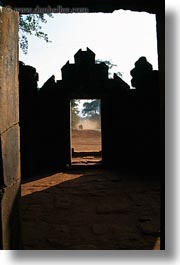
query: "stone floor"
90, 209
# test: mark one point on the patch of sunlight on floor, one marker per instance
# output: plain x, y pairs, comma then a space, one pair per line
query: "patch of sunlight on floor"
157, 244
41, 184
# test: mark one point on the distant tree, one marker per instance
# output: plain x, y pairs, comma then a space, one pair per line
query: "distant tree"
31, 25
91, 108
119, 74
74, 105
110, 64
74, 112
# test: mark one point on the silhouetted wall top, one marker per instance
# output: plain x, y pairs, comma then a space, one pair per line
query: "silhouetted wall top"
141, 73
84, 68
84, 57
29, 78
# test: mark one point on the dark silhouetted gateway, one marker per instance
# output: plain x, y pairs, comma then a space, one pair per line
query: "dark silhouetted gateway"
130, 118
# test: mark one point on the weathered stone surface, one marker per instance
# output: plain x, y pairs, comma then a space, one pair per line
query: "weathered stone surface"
9, 131
1, 166
11, 155
10, 217
9, 100
117, 208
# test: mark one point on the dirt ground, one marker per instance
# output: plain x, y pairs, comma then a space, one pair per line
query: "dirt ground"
86, 140
86, 146
90, 209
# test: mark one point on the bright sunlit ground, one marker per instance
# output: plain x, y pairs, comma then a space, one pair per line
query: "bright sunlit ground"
121, 37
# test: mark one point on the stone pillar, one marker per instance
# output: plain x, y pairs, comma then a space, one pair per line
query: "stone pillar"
9, 131
160, 18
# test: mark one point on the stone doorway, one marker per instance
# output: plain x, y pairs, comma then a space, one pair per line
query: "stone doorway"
85, 132
9, 132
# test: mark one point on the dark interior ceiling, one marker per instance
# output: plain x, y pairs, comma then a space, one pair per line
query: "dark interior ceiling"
151, 6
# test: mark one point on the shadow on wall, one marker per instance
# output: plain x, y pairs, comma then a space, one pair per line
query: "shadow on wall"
86, 210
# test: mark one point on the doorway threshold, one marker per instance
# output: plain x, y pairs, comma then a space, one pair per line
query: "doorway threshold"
85, 165
86, 158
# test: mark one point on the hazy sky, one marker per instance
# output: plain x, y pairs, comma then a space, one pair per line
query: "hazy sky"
122, 37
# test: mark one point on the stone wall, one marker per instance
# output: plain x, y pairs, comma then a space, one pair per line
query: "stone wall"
28, 90
9, 131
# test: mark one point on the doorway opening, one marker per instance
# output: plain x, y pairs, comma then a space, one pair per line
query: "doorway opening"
85, 132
